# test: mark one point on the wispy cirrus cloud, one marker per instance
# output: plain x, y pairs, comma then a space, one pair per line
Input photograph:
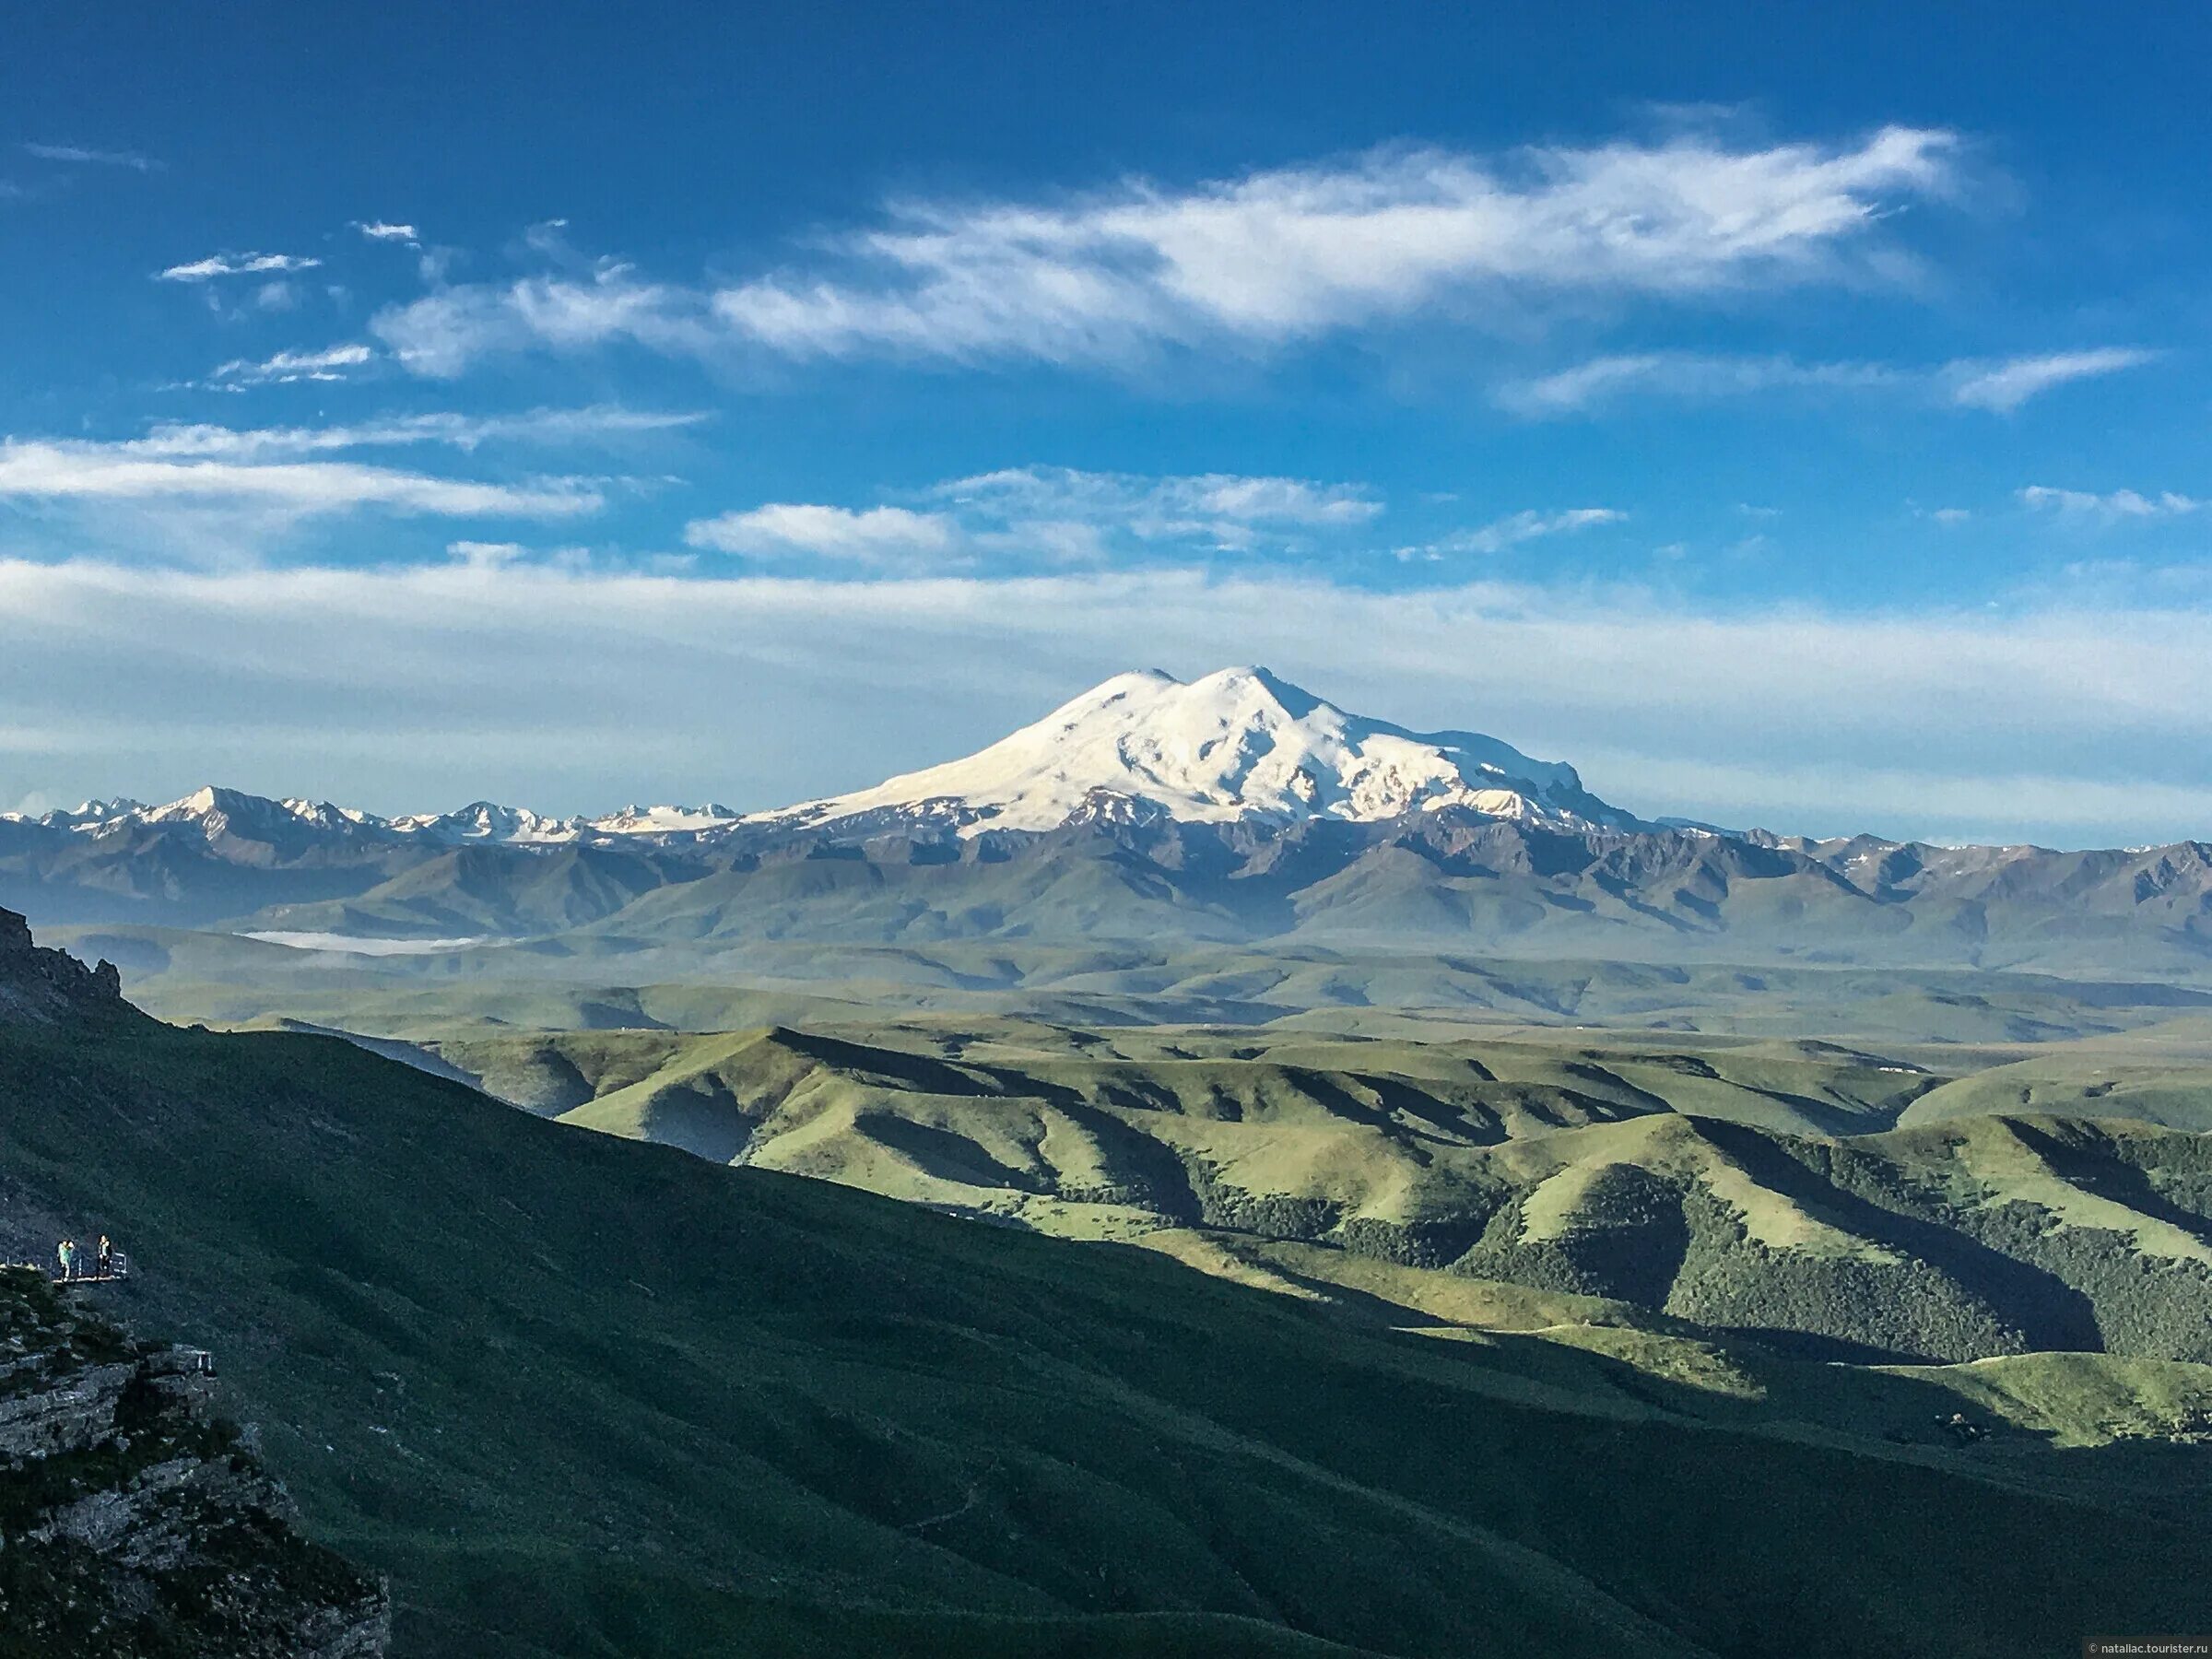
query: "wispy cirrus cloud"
235, 264
874, 536
285, 367
2005, 386
1681, 376
1513, 530
1272, 257
596, 424
1073, 511
1054, 514
83, 472
79, 156
439, 335
2000, 385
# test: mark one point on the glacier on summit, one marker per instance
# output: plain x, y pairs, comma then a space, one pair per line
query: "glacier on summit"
1237, 744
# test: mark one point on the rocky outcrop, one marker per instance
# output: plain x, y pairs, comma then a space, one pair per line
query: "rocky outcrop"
42, 986
133, 1519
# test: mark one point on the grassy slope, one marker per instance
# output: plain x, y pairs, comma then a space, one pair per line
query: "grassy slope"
1708, 1180
588, 1397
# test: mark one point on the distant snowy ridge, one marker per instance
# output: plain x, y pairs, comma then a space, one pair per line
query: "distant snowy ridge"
217, 813
1238, 745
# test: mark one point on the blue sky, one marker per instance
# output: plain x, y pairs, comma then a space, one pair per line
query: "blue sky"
1803, 426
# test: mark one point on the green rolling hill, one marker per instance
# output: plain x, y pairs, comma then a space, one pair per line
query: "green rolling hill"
1803, 1193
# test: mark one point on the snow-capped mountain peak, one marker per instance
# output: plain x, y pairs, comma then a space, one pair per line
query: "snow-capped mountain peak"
1241, 743
663, 821
217, 812
486, 822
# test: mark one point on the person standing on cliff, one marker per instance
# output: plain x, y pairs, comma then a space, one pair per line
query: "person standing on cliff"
68, 1256
106, 1258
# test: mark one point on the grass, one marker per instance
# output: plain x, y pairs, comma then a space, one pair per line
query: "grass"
1752, 1185
585, 1397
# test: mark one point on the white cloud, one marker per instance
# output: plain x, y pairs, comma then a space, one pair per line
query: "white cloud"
583, 689
487, 555
2005, 386
383, 231
94, 472
1048, 505
1056, 515
290, 366
234, 264
2114, 508
1701, 377
878, 535
441, 334
1514, 529
96, 158
592, 424
1285, 253
1682, 375
1270, 257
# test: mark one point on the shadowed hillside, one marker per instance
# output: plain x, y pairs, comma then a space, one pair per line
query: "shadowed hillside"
578, 1395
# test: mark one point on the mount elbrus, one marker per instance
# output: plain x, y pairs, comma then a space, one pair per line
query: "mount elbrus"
1235, 807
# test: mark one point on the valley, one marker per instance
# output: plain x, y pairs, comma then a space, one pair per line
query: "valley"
574, 1392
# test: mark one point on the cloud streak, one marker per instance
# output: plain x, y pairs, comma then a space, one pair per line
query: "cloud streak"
877, 537
1056, 514
2003, 387
78, 156
1999, 385
1681, 376
92, 472
287, 367
594, 424
235, 264
1252, 263
1515, 529
1073, 513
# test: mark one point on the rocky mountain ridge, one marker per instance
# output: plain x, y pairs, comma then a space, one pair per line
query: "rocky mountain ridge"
41, 985
135, 1521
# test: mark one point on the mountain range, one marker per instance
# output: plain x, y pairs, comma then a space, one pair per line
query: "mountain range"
1236, 807
1240, 745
